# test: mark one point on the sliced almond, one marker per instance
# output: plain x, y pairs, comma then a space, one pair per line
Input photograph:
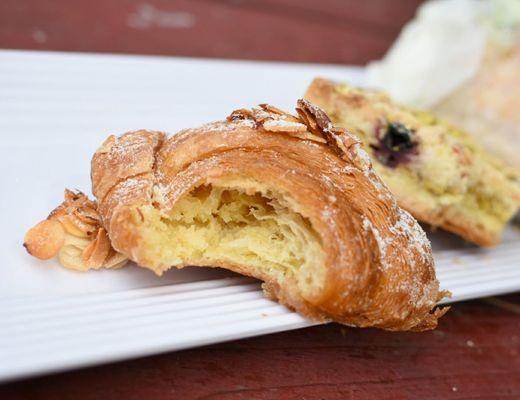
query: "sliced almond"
70, 196
97, 251
272, 109
282, 125
87, 216
74, 226
307, 136
76, 241
240, 114
115, 260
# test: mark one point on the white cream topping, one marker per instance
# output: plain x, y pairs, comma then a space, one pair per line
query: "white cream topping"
442, 47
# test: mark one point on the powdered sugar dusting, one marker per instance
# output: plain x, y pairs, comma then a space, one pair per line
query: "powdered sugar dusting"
128, 188
406, 225
222, 126
363, 156
283, 124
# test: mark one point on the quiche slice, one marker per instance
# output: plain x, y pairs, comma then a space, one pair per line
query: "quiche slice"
437, 172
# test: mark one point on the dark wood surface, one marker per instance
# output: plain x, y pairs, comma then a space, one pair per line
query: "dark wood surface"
327, 31
474, 354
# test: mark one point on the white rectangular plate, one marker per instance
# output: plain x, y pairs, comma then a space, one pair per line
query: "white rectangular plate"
55, 109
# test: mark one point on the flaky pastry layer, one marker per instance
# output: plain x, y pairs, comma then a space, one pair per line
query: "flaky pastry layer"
290, 200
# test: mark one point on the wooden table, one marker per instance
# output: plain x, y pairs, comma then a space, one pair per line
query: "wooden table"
474, 353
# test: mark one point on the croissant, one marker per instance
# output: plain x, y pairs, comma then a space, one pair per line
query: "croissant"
292, 201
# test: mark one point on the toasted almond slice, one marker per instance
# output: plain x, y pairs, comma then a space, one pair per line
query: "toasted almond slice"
307, 136
308, 120
76, 241
62, 209
70, 196
276, 112
115, 260
45, 239
85, 203
77, 199
260, 115
90, 212
118, 265
97, 251
87, 216
282, 125
272, 109
74, 226
70, 227
294, 129
240, 114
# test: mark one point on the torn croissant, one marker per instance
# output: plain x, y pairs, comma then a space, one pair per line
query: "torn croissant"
290, 200
73, 232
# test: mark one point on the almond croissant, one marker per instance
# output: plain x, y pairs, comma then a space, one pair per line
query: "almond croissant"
290, 200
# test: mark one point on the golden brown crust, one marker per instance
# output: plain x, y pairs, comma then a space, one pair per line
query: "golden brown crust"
45, 239
378, 261
131, 154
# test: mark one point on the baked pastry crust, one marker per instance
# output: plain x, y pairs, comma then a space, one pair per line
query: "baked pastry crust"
440, 175
74, 234
373, 265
